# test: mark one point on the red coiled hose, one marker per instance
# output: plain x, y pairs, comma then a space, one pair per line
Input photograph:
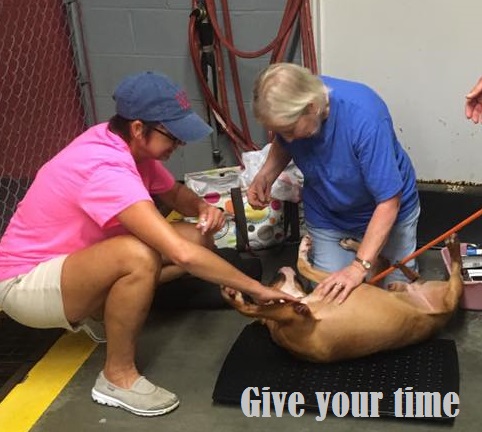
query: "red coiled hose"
218, 104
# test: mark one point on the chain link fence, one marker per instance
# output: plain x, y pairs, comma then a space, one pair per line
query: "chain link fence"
40, 98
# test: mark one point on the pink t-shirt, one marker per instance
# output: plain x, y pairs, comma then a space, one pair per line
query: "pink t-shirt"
75, 198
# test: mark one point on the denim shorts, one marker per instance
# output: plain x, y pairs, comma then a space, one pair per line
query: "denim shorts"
329, 256
34, 299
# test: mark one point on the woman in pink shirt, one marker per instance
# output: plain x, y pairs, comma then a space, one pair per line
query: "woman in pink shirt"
87, 241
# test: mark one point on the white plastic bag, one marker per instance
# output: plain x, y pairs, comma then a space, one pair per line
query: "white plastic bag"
287, 186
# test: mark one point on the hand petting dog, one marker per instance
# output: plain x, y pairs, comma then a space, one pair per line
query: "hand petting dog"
340, 284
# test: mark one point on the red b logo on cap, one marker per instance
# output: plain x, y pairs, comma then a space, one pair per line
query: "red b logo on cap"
183, 100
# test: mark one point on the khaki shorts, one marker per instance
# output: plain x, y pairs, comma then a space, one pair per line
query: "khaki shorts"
34, 299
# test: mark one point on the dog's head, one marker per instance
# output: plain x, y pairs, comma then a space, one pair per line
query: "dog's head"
287, 281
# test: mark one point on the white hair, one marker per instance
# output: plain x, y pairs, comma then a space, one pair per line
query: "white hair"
283, 91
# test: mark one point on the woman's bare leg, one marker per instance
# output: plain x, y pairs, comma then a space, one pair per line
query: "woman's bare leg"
120, 273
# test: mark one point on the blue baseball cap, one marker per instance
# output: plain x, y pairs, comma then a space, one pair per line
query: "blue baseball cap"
154, 97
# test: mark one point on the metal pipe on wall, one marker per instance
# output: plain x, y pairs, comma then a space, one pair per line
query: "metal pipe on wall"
316, 6
78, 48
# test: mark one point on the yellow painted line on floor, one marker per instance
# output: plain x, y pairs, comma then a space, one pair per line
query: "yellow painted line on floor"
28, 400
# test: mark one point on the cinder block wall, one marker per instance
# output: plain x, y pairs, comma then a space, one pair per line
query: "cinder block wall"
127, 36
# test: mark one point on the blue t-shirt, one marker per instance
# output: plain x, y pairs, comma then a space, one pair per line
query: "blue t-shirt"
354, 162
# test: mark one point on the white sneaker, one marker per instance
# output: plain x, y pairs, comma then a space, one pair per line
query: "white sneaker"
143, 398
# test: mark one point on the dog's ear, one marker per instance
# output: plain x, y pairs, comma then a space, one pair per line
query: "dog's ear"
304, 282
277, 278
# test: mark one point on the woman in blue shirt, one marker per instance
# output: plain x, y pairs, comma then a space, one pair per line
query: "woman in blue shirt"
358, 180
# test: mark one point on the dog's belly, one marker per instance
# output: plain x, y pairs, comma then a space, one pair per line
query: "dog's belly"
369, 320
363, 300
343, 333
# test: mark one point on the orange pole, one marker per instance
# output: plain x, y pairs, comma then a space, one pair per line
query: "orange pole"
415, 254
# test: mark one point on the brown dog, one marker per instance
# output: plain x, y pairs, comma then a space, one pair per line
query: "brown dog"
368, 321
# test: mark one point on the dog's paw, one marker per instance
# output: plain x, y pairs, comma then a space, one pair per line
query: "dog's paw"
349, 244
453, 239
231, 295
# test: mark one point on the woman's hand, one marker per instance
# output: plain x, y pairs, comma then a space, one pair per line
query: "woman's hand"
340, 284
268, 295
259, 193
210, 219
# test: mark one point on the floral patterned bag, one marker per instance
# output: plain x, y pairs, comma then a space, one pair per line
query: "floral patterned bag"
265, 228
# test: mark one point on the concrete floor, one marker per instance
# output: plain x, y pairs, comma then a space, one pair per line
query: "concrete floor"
184, 351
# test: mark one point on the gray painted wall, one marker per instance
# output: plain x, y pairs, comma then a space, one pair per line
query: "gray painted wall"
422, 56
124, 37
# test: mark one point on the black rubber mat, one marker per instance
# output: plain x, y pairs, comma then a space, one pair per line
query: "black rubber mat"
20, 348
255, 361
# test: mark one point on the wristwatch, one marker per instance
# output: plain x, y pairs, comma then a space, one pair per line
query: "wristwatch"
367, 265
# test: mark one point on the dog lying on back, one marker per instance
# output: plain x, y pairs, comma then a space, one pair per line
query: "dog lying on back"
369, 320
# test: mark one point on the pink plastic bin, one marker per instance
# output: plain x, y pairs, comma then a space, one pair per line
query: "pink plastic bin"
472, 295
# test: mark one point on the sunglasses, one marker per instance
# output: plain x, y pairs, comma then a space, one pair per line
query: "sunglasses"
175, 141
